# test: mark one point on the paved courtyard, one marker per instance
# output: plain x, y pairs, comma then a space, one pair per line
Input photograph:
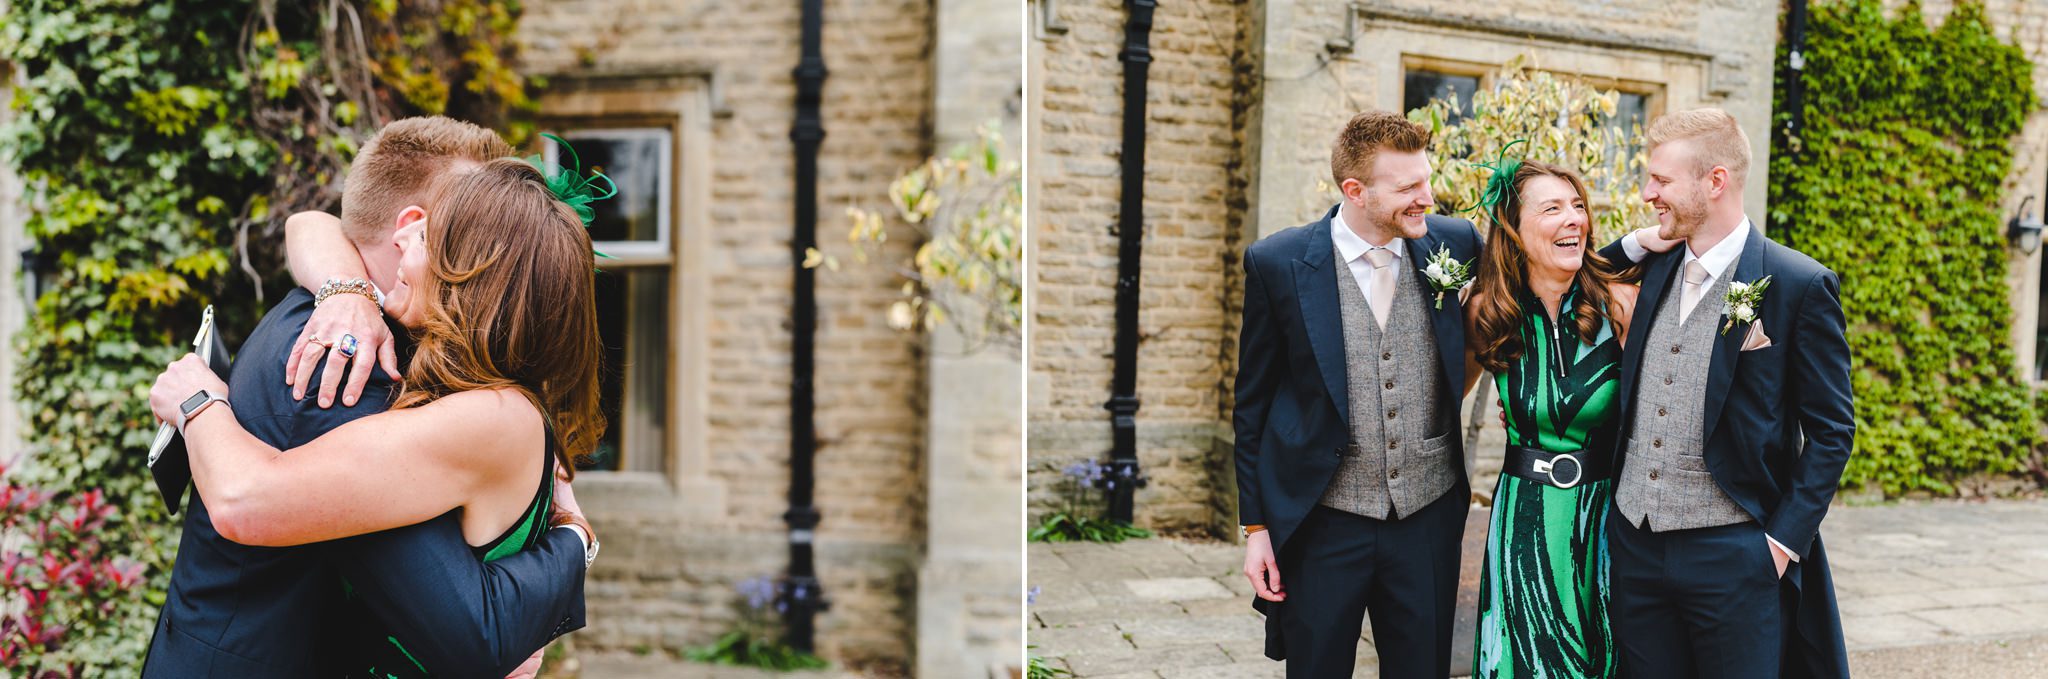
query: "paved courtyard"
1940, 588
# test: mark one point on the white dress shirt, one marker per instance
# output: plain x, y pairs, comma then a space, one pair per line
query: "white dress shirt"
1715, 260
1351, 251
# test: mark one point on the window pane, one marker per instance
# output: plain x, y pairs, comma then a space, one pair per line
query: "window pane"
1422, 86
1631, 111
632, 319
1631, 115
2041, 329
638, 161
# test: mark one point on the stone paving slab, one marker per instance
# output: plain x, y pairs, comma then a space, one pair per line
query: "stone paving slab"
1930, 584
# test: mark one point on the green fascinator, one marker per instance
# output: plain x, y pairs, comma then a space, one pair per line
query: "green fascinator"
571, 185
1501, 185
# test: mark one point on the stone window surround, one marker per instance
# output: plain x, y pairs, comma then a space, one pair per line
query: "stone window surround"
687, 101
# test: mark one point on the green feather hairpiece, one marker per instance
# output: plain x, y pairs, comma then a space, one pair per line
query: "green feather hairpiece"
571, 186
1501, 185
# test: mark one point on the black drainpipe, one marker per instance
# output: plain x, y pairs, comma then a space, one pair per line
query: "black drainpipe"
1124, 478
1795, 90
801, 593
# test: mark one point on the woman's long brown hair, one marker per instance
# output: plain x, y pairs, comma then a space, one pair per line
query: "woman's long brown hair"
509, 302
1503, 277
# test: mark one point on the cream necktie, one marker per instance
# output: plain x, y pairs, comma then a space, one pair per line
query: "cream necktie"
1695, 283
1381, 298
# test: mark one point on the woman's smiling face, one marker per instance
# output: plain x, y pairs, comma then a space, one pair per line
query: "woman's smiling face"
1554, 223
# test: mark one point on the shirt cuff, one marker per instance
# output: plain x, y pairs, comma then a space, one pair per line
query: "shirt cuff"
1789, 554
1635, 250
582, 538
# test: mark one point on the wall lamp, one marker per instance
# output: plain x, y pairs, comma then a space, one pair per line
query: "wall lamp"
2024, 229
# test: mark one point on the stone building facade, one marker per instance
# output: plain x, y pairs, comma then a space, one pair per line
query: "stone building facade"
1244, 100
919, 439
904, 425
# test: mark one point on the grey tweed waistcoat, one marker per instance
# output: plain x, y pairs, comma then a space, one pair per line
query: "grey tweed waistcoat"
1664, 479
1400, 456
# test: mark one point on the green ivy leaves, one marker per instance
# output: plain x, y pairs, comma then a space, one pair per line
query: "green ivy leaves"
1894, 185
130, 134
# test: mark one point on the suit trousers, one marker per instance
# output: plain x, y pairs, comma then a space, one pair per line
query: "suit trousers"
1340, 567
1700, 603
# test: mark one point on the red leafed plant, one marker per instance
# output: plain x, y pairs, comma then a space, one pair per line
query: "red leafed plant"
54, 575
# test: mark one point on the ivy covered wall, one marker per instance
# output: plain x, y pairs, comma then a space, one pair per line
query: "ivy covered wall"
1894, 183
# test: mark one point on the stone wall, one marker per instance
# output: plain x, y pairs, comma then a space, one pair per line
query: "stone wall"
969, 605
672, 558
1190, 160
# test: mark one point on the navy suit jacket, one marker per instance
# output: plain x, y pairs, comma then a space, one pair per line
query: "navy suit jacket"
1293, 412
239, 611
1780, 421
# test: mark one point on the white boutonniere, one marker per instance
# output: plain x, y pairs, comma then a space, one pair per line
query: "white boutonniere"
1447, 274
1742, 300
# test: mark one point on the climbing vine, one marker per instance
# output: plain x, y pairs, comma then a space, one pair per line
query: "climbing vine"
1894, 183
160, 145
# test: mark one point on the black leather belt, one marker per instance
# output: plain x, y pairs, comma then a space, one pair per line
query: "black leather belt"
1558, 470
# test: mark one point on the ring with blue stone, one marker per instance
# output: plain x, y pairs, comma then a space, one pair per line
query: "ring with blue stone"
347, 346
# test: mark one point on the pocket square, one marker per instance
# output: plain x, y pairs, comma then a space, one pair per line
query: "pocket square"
1756, 339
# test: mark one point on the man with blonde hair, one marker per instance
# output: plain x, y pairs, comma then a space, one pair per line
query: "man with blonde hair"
1737, 421
1351, 482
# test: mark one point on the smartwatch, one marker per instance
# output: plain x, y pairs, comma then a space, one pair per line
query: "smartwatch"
194, 404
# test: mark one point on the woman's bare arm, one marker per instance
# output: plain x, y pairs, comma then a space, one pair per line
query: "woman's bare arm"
316, 249
384, 471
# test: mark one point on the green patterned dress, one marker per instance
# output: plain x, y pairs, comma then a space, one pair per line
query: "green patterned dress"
1543, 588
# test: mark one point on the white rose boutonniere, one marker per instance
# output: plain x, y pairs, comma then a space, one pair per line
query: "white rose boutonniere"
1446, 274
1741, 302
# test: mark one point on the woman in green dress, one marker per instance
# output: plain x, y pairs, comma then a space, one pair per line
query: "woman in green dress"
1547, 316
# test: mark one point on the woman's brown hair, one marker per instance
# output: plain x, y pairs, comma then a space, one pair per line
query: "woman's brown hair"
1503, 277
509, 302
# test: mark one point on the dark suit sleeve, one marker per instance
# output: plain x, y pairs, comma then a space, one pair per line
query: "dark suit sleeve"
455, 614
1827, 414
1259, 348
459, 616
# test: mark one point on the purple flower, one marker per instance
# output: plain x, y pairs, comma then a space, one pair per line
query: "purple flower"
1031, 596
759, 591
1086, 470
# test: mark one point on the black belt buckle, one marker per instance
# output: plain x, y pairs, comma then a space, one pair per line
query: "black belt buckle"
1549, 468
